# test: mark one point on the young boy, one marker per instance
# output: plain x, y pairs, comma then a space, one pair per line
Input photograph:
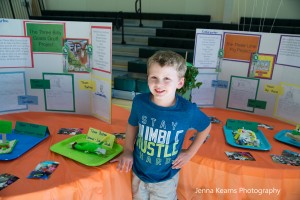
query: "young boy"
156, 128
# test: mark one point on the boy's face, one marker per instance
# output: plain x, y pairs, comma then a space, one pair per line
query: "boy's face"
163, 83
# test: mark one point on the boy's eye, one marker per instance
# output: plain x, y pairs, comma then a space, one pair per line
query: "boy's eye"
167, 79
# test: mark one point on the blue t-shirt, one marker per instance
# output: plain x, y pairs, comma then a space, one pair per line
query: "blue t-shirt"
161, 134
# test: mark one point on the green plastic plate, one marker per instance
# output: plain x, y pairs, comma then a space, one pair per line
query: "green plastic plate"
90, 159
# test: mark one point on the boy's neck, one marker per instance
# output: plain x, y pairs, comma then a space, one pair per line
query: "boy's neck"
163, 102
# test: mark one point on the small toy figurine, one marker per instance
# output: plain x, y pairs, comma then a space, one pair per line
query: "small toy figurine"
88, 147
246, 137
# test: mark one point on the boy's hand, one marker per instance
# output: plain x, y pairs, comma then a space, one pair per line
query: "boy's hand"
125, 161
182, 159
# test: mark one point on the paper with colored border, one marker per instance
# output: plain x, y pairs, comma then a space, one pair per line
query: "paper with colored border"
287, 106
242, 89
61, 95
15, 86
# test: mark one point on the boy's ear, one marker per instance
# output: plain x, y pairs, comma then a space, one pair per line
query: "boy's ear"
180, 83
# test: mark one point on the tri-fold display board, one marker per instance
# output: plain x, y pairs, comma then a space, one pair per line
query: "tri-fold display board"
249, 71
56, 66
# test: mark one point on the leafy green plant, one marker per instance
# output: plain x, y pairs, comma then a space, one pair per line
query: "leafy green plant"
190, 79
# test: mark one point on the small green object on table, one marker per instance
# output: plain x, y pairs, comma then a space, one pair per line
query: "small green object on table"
89, 159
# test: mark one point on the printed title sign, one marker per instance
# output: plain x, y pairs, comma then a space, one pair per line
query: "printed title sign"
240, 46
45, 37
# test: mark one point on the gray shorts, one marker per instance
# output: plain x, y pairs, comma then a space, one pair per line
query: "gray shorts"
165, 190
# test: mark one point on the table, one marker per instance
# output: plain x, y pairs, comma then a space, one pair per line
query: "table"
209, 175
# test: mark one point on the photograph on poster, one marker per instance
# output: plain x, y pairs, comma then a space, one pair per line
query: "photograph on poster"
60, 96
238, 47
242, 89
46, 37
261, 66
77, 59
288, 51
15, 52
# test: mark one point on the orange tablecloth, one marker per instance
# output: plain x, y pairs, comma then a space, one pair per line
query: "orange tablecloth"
209, 175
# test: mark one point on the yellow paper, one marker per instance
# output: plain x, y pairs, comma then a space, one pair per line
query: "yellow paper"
99, 136
87, 85
273, 89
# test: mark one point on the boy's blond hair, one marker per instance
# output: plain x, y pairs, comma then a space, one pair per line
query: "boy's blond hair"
170, 59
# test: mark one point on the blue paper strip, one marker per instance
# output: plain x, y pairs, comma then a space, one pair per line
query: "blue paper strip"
219, 83
25, 100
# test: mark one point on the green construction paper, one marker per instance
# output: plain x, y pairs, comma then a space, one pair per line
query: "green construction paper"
5, 126
46, 37
31, 129
237, 124
257, 104
39, 84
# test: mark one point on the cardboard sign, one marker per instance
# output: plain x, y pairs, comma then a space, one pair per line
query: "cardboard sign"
98, 136
39, 84
240, 46
25, 100
87, 85
31, 129
273, 89
219, 84
237, 124
257, 104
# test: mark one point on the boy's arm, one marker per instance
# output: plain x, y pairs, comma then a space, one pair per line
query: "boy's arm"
126, 159
198, 141
187, 154
131, 132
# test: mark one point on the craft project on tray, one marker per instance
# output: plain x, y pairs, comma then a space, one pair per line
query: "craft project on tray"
6, 146
245, 134
26, 136
92, 149
291, 137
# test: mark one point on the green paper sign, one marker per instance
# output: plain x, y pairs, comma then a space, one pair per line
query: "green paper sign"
257, 104
237, 124
39, 84
5, 126
45, 37
31, 129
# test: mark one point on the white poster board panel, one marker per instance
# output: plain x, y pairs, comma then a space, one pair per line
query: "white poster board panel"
285, 69
53, 63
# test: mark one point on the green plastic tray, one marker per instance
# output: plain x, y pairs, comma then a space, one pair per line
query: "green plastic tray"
90, 159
